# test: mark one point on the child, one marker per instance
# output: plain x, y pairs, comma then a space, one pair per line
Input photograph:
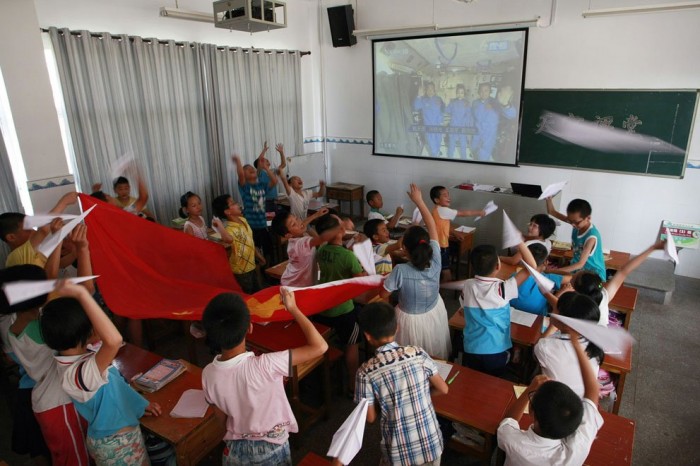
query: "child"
540, 228
239, 235
252, 192
191, 209
564, 427
374, 199
486, 301
397, 383
378, 232
249, 389
585, 238
301, 248
556, 354
100, 394
298, 197
337, 263
530, 298
443, 216
421, 313
60, 424
262, 164
125, 200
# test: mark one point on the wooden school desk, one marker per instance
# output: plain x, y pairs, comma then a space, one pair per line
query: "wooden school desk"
347, 192
277, 271
191, 438
476, 400
614, 261
312, 459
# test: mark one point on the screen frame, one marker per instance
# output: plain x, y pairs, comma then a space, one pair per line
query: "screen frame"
526, 32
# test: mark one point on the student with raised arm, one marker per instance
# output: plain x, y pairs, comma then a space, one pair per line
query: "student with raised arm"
299, 197
262, 165
564, 427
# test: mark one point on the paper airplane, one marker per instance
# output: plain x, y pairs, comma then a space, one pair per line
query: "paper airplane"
613, 340
489, 208
545, 284
39, 220
552, 190
347, 441
363, 252
23, 290
54, 239
121, 166
417, 217
511, 235
670, 251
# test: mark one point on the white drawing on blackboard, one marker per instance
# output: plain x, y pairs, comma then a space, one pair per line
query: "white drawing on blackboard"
631, 122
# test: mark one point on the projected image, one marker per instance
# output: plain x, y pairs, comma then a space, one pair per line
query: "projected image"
451, 97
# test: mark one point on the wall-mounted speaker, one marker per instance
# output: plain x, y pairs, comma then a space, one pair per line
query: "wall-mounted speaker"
342, 24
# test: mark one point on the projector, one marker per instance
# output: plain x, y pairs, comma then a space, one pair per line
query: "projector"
250, 15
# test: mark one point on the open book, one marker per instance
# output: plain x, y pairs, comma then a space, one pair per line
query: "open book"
160, 375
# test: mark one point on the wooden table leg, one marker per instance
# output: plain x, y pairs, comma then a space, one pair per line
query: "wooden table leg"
619, 389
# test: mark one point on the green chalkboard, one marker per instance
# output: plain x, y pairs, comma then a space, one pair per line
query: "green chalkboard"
663, 117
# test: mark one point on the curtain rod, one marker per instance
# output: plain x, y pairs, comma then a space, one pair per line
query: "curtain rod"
100, 35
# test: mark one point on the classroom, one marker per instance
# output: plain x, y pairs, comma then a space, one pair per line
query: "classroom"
654, 50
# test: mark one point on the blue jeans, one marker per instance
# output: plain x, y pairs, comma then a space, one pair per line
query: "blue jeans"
255, 452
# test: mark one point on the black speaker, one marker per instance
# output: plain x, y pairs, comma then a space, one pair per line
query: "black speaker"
342, 24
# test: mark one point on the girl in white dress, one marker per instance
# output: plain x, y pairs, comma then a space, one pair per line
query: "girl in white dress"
191, 209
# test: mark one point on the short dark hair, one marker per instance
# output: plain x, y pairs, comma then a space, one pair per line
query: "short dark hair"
184, 199
371, 227
539, 253
326, 222
279, 223
226, 320
99, 195
588, 283
417, 244
64, 324
120, 180
10, 222
484, 259
557, 410
435, 192
545, 223
582, 307
220, 204
579, 206
378, 320
16, 274
371, 195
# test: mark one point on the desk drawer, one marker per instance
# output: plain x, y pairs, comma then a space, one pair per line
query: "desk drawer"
339, 194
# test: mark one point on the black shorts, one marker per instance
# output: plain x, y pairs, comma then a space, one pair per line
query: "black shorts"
27, 438
345, 326
445, 258
492, 364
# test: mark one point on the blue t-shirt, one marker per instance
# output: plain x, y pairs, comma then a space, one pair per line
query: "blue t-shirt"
419, 290
596, 260
253, 196
271, 193
530, 298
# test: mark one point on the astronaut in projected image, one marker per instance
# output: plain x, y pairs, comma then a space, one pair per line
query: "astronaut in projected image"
461, 116
431, 106
487, 114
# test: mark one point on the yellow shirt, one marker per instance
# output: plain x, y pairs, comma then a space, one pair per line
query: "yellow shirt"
25, 254
242, 258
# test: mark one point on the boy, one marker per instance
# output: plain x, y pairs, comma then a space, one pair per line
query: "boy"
378, 232
298, 197
564, 427
486, 301
262, 164
249, 388
238, 234
374, 199
530, 298
301, 248
252, 191
585, 238
397, 382
60, 424
337, 263
124, 199
443, 216
99, 392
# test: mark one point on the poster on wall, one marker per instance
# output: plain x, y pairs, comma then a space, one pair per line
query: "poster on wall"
450, 97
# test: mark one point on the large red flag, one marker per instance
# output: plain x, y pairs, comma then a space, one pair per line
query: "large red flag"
152, 271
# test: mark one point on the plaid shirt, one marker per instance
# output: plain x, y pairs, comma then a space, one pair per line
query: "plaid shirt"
396, 379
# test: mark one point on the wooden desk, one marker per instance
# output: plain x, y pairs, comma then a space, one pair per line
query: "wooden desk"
625, 301
463, 246
477, 400
277, 271
312, 459
346, 192
192, 438
615, 260
619, 365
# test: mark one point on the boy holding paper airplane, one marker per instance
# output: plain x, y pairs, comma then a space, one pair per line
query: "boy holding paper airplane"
530, 298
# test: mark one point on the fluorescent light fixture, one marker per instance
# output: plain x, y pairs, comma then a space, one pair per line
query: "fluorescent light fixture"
664, 7
177, 13
427, 29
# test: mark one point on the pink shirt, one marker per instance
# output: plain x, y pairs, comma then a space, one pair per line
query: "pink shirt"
299, 271
250, 390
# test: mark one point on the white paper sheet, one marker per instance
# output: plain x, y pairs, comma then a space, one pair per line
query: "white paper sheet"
511, 235
347, 440
363, 252
23, 290
39, 220
670, 251
52, 241
121, 166
192, 404
416, 218
465, 229
552, 190
522, 318
612, 340
444, 369
489, 208
545, 284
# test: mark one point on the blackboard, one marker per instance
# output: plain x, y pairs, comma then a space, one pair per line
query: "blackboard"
666, 115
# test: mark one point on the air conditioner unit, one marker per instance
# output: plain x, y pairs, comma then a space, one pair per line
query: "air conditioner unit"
250, 15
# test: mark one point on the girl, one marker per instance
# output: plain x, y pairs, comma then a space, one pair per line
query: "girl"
540, 228
421, 314
191, 209
556, 354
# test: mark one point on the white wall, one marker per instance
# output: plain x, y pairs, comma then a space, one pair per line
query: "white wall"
648, 51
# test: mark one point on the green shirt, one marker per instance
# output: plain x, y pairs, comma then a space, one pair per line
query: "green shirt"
337, 263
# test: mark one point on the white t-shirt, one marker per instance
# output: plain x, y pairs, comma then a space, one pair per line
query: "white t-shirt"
299, 271
447, 213
604, 307
299, 203
558, 360
526, 448
373, 215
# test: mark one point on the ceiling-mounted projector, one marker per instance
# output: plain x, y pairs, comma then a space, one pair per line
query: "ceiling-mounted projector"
250, 15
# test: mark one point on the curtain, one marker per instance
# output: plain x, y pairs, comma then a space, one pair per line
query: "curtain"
9, 198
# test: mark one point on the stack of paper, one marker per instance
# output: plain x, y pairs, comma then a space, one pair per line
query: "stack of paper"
465, 229
192, 404
347, 441
443, 369
522, 318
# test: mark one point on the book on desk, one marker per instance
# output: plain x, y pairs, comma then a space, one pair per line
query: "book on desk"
158, 376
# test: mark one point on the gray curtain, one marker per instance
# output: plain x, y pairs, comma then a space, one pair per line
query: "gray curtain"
9, 198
